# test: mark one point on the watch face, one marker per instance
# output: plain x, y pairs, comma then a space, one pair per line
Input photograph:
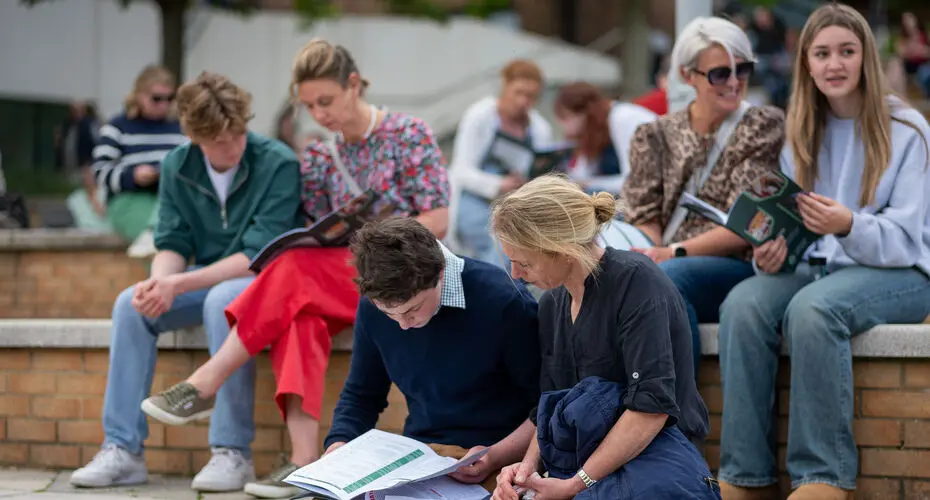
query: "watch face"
680, 252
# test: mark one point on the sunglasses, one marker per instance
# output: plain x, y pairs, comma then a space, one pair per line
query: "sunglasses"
721, 74
159, 98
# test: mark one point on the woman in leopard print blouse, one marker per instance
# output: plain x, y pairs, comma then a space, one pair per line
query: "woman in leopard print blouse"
671, 155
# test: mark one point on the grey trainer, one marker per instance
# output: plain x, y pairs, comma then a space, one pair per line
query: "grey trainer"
273, 486
178, 405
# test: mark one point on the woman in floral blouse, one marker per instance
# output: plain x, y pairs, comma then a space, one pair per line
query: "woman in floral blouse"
714, 150
307, 295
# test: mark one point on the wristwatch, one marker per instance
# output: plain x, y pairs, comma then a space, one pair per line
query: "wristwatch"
680, 251
588, 482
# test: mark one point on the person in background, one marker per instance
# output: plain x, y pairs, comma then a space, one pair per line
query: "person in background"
774, 61
476, 178
656, 100
457, 337
76, 140
603, 130
861, 156
286, 126
128, 155
608, 314
393, 154
912, 56
713, 149
223, 197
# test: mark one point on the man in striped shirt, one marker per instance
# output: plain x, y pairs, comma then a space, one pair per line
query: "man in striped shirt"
127, 157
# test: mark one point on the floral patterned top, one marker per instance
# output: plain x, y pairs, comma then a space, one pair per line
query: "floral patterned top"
399, 160
665, 153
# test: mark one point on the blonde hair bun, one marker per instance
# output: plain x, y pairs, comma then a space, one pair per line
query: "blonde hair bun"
605, 207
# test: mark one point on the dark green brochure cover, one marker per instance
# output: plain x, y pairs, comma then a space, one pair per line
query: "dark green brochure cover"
769, 209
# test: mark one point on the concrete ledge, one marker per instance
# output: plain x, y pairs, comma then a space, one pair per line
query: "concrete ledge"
44, 239
95, 333
884, 341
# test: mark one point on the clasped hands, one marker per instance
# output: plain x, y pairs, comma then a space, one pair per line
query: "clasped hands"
518, 478
154, 296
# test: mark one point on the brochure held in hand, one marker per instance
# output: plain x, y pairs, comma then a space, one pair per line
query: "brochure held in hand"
515, 156
768, 210
333, 230
382, 466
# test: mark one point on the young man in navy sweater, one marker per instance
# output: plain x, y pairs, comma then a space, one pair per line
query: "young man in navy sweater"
457, 336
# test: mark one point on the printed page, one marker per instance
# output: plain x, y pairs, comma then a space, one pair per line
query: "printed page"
512, 155
376, 460
440, 488
703, 209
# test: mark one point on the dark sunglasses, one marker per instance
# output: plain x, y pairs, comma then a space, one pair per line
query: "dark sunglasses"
721, 75
156, 98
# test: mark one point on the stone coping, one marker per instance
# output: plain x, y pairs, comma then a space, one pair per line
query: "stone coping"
885, 341
47, 239
95, 333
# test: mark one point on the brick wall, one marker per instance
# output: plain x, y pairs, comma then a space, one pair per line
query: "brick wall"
64, 284
891, 425
51, 402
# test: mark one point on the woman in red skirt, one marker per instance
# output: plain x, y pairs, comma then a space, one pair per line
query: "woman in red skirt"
307, 295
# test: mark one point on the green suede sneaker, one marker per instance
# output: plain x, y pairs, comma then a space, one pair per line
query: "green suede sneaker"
178, 405
273, 486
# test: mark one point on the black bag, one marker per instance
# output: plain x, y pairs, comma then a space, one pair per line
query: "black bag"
13, 212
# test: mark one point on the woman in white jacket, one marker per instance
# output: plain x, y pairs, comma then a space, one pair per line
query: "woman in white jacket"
477, 179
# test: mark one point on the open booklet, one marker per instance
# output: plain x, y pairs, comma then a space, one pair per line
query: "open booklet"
333, 230
516, 156
764, 212
385, 466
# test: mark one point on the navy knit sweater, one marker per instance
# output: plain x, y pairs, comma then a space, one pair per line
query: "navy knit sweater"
470, 376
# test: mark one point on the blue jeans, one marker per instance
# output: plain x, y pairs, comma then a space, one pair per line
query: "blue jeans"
132, 366
923, 79
474, 230
704, 282
818, 318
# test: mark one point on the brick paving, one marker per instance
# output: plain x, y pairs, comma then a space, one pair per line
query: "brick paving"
34, 484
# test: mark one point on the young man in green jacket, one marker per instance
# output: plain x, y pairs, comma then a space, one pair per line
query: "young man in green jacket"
222, 198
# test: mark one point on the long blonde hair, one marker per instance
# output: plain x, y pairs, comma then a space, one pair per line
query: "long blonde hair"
552, 215
807, 111
148, 77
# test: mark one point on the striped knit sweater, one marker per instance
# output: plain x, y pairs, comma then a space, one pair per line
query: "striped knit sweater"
128, 142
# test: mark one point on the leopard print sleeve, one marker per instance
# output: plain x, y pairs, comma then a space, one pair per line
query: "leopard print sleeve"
757, 147
642, 192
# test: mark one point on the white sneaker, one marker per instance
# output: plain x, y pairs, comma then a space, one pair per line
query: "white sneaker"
143, 247
228, 470
111, 466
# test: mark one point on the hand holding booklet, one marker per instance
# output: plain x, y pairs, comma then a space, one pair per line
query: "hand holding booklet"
383, 466
515, 156
333, 230
765, 212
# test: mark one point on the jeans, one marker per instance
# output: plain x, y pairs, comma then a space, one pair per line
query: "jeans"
923, 79
474, 228
817, 318
132, 366
704, 282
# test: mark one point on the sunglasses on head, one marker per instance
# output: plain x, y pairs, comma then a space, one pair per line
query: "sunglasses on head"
721, 75
162, 98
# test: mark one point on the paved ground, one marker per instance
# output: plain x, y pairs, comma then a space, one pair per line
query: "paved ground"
29, 484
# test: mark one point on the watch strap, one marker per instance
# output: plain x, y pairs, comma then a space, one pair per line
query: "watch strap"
588, 482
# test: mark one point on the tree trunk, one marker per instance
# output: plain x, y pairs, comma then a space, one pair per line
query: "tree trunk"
172, 35
636, 55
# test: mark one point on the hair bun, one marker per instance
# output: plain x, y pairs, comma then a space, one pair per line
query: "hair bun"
605, 207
